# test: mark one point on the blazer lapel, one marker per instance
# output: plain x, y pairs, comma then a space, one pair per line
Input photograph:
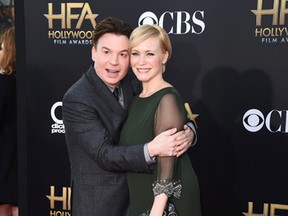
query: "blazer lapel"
103, 91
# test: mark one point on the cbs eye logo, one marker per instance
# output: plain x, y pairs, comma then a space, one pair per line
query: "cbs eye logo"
275, 121
253, 120
148, 18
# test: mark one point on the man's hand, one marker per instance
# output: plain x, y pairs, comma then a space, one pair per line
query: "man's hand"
186, 141
163, 144
170, 143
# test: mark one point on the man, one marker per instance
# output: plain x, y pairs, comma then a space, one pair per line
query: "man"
93, 118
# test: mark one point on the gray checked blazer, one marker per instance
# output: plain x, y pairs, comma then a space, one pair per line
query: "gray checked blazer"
93, 120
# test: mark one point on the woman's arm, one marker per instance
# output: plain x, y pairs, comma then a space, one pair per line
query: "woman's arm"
170, 114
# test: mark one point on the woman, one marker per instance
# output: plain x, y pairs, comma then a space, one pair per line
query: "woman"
157, 108
8, 138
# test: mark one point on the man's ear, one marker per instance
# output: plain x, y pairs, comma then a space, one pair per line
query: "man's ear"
93, 53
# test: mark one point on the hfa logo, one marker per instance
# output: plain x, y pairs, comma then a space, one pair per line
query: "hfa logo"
70, 16
67, 14
64, 199
270, 21
268, 209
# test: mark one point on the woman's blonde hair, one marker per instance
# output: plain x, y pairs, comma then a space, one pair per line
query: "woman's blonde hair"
144, 32
8, 55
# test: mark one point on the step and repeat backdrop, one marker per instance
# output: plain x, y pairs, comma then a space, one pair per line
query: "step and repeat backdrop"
229, 63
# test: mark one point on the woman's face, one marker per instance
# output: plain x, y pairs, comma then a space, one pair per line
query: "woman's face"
147, 59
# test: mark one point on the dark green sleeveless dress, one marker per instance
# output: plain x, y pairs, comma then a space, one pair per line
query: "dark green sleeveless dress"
148, 117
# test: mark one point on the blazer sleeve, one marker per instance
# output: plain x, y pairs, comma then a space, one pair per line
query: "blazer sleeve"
85, 130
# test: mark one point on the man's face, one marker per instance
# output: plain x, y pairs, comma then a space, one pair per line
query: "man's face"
111, 58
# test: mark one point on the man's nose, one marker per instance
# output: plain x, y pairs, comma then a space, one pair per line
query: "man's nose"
114, 59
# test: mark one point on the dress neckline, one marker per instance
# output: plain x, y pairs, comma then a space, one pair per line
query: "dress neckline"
155, 93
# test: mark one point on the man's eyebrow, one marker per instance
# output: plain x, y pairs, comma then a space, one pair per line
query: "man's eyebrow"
104, 47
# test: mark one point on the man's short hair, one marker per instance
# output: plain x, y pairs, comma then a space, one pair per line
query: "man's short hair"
110, 25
